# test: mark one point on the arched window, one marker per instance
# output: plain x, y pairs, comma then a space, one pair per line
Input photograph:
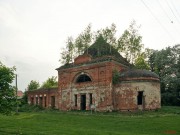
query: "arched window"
83, 78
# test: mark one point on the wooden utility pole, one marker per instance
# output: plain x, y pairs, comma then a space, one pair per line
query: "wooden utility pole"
16, 95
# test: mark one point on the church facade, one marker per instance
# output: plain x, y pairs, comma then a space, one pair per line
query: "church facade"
103, 80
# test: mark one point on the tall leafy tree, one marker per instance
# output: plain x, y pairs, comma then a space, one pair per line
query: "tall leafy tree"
108, 35
7, 92
130, 43
76, 47
84, 40
50, 83
151, 60
33, 85
166, 64
68, 52
141, 63
143, 59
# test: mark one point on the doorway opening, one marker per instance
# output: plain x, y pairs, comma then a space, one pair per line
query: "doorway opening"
75, 100
40, 101
140, 98
52, 101
83, 102
32, 100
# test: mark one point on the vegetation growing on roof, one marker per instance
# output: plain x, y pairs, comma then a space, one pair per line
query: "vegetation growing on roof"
100, 48
33, 85
50, 83
105, 42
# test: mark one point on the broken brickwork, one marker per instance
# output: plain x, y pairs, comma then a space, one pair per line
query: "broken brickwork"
99, 87
47, 98
88, 82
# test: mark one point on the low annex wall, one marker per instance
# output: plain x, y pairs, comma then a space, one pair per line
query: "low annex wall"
47, 98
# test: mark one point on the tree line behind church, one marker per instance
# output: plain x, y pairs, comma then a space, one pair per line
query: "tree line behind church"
51, 82
165, 62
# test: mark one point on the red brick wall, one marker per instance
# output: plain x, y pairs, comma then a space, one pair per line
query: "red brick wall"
125, 94
82, 59
101, 85
41, 94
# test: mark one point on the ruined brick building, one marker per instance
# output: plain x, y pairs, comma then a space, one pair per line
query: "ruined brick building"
90, 81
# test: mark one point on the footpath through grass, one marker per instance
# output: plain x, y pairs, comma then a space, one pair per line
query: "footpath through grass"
164, 121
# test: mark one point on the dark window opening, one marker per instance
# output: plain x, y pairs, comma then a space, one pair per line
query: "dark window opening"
90, 98
75, 100
140, 98
44, 101
36, 100
83, 78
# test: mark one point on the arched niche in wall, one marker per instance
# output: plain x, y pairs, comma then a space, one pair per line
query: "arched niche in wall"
82, 77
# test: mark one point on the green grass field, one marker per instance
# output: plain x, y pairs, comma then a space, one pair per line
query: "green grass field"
161, 122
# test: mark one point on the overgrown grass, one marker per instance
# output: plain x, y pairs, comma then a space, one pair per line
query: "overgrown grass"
45, 122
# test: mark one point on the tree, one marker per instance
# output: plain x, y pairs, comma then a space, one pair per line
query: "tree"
33, 85
130, 43
68, 53
7, 91
140, 62
108, 35
50, 83
166, 64
83, 41
76, 47
143, 59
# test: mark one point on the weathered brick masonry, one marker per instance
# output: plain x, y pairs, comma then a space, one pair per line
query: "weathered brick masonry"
44, 97
88, 82
99, 87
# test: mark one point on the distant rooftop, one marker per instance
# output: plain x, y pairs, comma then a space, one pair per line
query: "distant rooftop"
19, 93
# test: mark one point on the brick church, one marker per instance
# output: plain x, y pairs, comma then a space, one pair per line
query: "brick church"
89, 82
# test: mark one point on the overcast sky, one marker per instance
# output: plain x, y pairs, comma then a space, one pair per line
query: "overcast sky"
32, 32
